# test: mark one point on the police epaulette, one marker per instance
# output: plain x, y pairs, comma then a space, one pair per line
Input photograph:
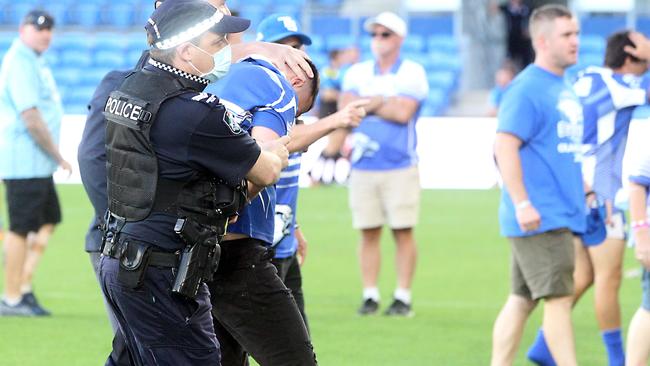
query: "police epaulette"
206, 98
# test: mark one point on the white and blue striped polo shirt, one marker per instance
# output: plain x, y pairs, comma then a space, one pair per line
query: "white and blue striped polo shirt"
26, 82
380, 144
637, 154
608, 101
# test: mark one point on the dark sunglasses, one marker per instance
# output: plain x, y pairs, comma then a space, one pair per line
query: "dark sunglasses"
382, 34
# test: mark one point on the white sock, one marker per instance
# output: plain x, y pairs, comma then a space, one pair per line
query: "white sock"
371, 293
25, 289
12, 302
403, 294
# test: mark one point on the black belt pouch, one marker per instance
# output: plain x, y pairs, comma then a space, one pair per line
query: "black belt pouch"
134, 258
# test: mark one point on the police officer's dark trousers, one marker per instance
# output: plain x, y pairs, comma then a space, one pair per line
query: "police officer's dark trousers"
161, 328
254, 311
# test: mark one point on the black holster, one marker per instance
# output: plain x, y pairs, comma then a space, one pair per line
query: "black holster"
200, 258
134, 259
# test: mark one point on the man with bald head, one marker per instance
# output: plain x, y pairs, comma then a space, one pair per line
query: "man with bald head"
538, 152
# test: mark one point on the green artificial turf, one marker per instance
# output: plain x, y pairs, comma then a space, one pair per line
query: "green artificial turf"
461, 281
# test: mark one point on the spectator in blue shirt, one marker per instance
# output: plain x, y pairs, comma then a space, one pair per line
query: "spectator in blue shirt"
609, 95
31, 110
538, 150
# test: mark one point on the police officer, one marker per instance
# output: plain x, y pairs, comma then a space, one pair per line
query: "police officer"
176, 162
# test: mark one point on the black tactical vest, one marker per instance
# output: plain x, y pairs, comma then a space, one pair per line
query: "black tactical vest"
134, 188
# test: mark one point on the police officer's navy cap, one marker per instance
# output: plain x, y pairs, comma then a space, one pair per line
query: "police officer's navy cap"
279, 26
40, 18
178, 21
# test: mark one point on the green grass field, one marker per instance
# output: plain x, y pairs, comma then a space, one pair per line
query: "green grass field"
460, 285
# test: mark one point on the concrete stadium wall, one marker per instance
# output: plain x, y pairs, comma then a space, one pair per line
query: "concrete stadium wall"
455, 153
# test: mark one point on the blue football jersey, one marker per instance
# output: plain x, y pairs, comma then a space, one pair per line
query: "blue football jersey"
257, 94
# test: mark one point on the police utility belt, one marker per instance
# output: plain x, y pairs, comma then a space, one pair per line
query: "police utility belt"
195, 264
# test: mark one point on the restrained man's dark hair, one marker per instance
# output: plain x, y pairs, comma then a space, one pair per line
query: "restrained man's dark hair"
315, 84
615, 54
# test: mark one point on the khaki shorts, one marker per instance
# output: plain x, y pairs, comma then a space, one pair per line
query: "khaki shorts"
542, 265
385, 197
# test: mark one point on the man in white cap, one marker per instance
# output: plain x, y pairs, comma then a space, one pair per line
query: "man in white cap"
384, 181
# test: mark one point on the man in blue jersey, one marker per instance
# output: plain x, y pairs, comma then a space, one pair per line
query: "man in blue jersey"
384, 181
289, 242
266, 100
31, 110
637, 168
538, 151
608, 95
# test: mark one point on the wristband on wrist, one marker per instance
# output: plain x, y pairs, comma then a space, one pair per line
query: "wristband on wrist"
523, 204
640, 224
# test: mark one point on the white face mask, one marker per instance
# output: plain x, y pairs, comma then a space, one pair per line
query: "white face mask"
221, 61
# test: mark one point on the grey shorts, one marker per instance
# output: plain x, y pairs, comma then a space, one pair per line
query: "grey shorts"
542, 264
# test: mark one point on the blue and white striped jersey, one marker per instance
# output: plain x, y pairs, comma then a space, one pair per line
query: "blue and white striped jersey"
257, 94
637, 153
608, 101
285, 209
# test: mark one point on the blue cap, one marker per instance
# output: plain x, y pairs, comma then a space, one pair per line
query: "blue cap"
596, 231
279, 26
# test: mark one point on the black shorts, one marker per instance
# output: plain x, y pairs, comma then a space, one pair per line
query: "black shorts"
31, 203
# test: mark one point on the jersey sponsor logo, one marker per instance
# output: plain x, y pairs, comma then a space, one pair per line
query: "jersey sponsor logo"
283, 220
123, 108
364, 146
570, 127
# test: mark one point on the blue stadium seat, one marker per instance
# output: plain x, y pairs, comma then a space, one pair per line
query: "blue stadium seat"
338, 41
444, 61
72, 41
591, 59
76, 108
364, 44
436, 103
292, 10
413, 43
643, 25
109, 59
6, 39
443, 80
320, 59
66, 76
317, 43
602, 25
136, 41
421, 58
111, 41
15, 12
84, 14
258, 3
330, 3
443, 43
592, 44
79, 95
92, 76
132, 58
51, 57
75, 58
428, 25
58, 11
330, 24
253, 12
118, 15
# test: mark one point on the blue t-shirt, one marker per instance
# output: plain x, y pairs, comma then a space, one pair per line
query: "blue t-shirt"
257, 94
381, 144
542, 110
191, 133
287, 188
26, 82
608, 100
